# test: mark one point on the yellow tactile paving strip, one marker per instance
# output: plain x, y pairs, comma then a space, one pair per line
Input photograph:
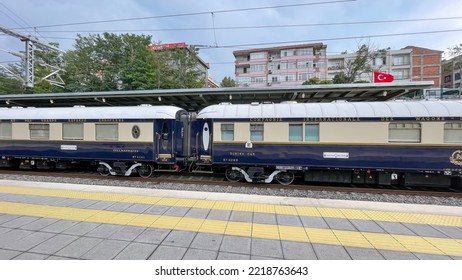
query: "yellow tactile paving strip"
387, 216
380, 241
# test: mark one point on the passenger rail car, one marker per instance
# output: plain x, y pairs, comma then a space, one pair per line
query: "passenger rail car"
119, 140
408, 143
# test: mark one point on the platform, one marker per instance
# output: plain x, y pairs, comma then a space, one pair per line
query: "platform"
66, 221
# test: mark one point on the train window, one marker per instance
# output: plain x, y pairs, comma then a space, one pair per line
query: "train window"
39, 131
256, 132
404, 132
73, 131
5, 131
227, 132
311, 132
107, 132
453, 132
295, 132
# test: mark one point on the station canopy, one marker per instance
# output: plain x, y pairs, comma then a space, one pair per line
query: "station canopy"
196, 99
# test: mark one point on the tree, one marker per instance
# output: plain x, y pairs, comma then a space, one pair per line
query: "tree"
361, 62
456, 66
228, 82
111, 62
316, 81
10, 85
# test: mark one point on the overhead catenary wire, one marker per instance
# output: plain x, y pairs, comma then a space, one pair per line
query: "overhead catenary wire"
197, 13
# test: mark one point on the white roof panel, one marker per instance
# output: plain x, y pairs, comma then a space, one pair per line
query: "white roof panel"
79, 113
394, 109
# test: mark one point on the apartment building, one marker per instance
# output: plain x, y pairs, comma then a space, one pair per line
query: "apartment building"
280, 66
452, 73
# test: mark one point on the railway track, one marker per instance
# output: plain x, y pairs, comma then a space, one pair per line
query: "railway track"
218, 180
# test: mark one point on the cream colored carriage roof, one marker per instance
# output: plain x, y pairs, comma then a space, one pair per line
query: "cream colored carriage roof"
334, 110
82, 113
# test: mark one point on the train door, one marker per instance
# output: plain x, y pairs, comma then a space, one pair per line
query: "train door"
204, 141
165, 140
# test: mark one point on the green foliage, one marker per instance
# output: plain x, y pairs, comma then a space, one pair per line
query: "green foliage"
10, 85
312, 81
228, 82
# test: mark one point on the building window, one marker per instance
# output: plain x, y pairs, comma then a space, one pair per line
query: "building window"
227, 132
258, 80
305, 51
256, 132
295, 132
73, 131
39, 131
379, 61
257, 68
257, 55
311, 132
400, 60
404, 132
453, 132
288, 65
304, 76
304, 64
107, 132
287, 53
243, 81
5, 131
400, 74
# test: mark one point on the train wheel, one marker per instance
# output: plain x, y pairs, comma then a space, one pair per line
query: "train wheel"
103, 170
146, 170
233, 175
285, 178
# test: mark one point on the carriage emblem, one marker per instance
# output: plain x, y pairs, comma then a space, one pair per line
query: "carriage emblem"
456, 158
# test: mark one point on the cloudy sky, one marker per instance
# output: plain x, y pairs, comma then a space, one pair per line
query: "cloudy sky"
238, 24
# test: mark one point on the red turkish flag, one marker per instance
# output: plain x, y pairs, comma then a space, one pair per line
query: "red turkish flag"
380, 77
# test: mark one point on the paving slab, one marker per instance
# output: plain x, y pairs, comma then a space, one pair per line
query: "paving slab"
340, 224
127, 233
153, 235
54, 244
156, 209
394, 255
207, 241
232, 256
28, 242
60, 226
104, 231
177, 211
19, 222
263, 258
12, 236
330, 252
314, 222
266, 248
81, 228
101, 205
105, 250
200, 254
199, 213
367, 226
68, 202
136, 251
168, 253
425, 230
364, 253
137, 208
58, 258
453, 232
179, 238
216, 214
119, 206
79, 247
288, 220
236, 244
39, 224
431, 257
31, 256
84, 203
4, 229
241, 216
264, 218
8, 254
7, 217
395, 228
298, 251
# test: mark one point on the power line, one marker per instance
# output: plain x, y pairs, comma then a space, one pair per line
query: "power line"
256, 27
328, 39
197, 13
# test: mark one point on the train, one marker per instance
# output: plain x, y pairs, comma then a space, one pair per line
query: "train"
408, 143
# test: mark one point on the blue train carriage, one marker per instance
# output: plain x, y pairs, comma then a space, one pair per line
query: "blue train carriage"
408, 143
119, 140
